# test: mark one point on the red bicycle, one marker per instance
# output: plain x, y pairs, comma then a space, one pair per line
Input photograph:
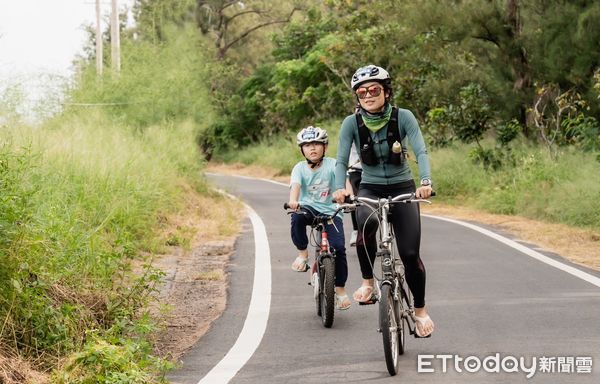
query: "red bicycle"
323, 267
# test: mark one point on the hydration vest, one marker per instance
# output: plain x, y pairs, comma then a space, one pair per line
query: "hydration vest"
367, 152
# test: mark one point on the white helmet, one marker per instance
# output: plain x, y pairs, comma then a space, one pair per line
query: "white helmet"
370, 73
312, 134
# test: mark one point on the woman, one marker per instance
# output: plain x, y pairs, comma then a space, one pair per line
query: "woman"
380, 133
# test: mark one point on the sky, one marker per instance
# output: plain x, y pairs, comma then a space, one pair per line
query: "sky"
42, 37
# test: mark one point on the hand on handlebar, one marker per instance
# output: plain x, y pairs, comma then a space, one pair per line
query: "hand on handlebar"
424, 192
340, 195
293, 205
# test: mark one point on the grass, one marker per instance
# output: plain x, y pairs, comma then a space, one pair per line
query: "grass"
280, 153
213, 275
83, 196
536, 187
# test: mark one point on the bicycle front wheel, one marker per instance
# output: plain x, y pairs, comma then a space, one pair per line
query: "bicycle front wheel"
391, 328
327, 299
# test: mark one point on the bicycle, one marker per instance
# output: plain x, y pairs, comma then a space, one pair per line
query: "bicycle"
323, 267
395, 298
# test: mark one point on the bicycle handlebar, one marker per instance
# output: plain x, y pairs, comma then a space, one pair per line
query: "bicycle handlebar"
404, 198
340, 208
350, 202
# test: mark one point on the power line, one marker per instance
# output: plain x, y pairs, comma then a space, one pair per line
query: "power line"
104, 104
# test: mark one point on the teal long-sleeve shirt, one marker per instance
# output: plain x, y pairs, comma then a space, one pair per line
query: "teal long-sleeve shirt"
383, 173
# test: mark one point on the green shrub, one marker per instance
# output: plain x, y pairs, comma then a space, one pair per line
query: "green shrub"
84, 198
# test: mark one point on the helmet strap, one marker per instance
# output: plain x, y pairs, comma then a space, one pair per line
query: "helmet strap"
313, 164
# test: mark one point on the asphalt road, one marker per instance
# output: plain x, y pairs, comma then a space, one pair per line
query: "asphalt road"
493, 305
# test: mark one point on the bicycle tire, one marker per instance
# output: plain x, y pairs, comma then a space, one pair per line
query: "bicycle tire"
390, 326
402, 325
403, 301
319, 287
327, 292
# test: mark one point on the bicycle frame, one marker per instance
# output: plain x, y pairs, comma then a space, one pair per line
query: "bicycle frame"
322, 248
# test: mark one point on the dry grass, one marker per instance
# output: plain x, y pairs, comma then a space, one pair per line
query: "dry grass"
15, 370
578, 245
213, 275
205, 218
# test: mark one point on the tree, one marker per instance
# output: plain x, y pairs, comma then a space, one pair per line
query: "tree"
217, 17
152, 16
499, 43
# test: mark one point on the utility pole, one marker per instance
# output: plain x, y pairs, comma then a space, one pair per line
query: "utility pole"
98, 40
115, 52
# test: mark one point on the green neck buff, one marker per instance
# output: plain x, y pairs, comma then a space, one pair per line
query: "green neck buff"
377, 121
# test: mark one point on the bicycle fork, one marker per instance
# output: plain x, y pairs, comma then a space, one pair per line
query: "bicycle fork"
315, 280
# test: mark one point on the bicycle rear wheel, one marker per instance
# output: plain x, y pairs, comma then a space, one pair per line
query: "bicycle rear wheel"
327, 292
391, 328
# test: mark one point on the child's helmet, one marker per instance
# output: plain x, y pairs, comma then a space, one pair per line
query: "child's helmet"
312, 134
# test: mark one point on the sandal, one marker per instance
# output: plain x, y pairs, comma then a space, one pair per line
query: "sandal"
365, 291
340, 300
422, 321
302, 264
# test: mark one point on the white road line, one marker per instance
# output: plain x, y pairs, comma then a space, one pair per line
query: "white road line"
528, 251
258, 311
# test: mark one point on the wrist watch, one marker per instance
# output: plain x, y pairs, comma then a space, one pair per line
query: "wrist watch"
426, 183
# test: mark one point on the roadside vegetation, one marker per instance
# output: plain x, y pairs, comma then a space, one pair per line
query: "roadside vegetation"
507, 94
536, 186
83, 198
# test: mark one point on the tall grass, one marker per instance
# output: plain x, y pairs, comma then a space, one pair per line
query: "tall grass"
81, 197
278, 152
537, 186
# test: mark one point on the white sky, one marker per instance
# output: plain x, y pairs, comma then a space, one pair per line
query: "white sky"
43, 37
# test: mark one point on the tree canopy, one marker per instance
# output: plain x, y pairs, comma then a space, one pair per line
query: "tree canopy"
465, 68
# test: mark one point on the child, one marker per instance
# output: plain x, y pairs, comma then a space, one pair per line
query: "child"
311, 187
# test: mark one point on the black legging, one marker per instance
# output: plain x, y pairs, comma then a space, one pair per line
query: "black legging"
406, 222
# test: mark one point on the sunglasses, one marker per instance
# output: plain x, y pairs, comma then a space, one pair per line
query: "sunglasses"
373, 91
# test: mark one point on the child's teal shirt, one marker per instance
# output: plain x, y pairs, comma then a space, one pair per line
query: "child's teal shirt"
316, 187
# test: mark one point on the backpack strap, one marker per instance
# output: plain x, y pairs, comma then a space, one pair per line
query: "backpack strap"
394, 135
364, 136
393, 130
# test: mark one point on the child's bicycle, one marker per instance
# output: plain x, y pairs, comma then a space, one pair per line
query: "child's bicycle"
323, 268
395, 298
